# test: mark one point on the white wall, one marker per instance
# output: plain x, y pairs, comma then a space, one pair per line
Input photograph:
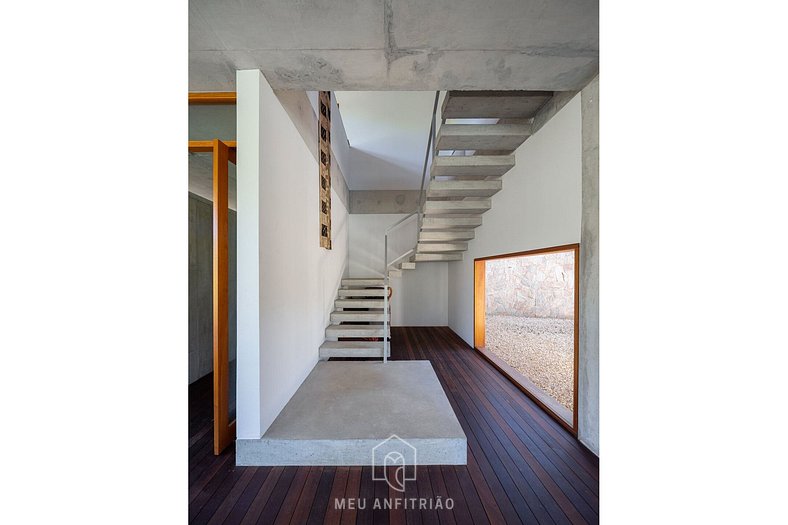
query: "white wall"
539, 206
420, 296
286, 282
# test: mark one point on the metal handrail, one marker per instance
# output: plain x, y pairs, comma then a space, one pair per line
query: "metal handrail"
420, 213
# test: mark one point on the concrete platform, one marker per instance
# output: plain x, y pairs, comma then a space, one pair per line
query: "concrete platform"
345, 409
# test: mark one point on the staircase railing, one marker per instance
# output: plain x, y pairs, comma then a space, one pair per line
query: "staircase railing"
420, 214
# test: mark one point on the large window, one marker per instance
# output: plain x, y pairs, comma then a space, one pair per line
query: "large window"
526, 324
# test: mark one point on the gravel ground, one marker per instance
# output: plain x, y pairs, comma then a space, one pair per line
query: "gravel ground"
540, 349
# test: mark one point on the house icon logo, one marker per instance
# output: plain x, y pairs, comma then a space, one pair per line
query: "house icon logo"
398, 459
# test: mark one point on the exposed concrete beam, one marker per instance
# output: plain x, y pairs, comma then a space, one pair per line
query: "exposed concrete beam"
396, 44
384, 201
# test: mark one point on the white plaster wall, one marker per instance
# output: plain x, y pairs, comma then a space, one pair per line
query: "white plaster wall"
539, 206
284, 301
421, 295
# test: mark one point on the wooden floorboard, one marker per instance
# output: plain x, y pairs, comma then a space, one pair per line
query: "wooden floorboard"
523, 467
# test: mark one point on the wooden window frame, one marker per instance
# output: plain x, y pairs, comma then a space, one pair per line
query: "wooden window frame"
518, 379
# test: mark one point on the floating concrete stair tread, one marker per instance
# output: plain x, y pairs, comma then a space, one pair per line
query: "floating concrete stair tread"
355, 330
441, 247
445, 236
345, 317
437, 257
470, 206
472, 165
373, 281
493, 104
464, 188
407, 266
450, 223
358, 303
351, 349
362, 292
505, 137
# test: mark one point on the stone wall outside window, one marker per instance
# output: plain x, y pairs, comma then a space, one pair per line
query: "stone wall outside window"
531, 286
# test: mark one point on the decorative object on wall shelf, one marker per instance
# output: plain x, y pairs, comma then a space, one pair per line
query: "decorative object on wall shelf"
324, 142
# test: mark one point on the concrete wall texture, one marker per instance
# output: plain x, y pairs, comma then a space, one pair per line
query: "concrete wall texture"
286, 282
532, 286
588, 387
201, 287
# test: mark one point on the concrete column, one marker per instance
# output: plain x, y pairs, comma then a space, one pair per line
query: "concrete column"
588, 381
249, 168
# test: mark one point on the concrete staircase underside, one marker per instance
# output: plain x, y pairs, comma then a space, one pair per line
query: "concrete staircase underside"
470, 160
346, 411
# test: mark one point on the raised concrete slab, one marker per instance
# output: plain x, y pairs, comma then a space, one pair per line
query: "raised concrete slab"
343, 410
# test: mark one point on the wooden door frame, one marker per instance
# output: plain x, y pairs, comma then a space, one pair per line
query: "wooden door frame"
222, 153
479, 311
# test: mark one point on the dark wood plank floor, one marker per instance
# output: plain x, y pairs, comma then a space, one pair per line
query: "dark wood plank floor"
522, 466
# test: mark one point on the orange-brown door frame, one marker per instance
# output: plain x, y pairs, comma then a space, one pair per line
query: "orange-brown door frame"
221, 373
479, 328
223, 152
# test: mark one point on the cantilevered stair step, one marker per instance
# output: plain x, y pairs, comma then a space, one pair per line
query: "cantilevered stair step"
359, 303
445, 236
464, 188
472, 165
349, 317
441, 247
372, 281
407, 266
361, 292
463, 207
450, 223
504, 137
493, 104
335, 331
437, 257
351, 349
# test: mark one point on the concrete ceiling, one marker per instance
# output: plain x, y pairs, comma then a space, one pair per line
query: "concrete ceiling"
387, 132
395, 44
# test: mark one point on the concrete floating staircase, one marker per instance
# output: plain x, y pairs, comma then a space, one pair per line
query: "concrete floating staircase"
356, 328
470, 159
